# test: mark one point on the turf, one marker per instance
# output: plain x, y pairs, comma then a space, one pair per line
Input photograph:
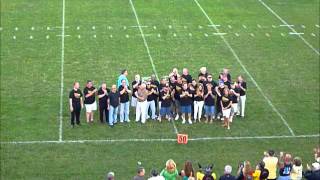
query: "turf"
102, 39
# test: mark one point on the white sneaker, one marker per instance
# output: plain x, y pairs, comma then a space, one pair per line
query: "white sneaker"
228, 127
169, 119
128, 120
183, 121
177, 117
189, 121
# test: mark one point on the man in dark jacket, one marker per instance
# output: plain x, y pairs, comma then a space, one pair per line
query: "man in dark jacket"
227, 173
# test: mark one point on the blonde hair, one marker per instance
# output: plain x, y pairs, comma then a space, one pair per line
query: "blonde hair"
170, 165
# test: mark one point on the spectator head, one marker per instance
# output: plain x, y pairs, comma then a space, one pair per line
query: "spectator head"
188, 168
137, 77
179, 80
315, 166
185, 71
200, 87
317, 154
124, 72
110, 176
227, 169
221, 84
226, 91
103, 85
247, 168
203, 70
89, 84
175, 71
185, 86
172, 79
194, 82
261, 165
140, 171
76, 85
143, 86
154, 173
114, 88
297, 161
287, 158
170, 165
271, 152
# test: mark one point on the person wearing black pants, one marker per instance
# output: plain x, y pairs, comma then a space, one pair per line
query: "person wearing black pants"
103, 94
76, 103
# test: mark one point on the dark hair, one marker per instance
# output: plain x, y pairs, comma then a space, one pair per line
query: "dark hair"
297, 161
271, 152
140, 169
154, 172
123, 71
261, 165
89, 81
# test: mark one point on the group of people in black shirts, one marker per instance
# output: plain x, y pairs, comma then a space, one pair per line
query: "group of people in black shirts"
173, 97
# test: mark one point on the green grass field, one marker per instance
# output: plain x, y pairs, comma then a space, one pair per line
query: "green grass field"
102, 37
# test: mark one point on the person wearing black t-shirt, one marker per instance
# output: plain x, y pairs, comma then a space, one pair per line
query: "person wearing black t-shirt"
135, 86
75, 103
113, 101
90, 100
219, 90
185, 103
198, 103
177, 88
152, 96
103, 94
226, 107
209, 102
234, 95
124, 91
185, 75
166, 100
162, 84
242, 85
203, 74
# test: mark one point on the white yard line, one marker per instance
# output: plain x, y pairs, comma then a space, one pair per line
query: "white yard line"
162, 140
144, 39
289, 26
148, 51
247, 72
62, 71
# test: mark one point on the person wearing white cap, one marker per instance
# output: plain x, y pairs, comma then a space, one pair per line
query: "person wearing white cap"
313, 172
110, 176
227, 173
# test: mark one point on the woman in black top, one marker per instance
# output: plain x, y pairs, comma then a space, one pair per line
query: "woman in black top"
75, 103
226, 107
198, 102
242, 85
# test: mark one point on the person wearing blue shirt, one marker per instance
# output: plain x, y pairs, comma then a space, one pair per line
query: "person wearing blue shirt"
123, 76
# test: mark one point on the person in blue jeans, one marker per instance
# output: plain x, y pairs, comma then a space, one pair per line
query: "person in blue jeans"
186, 102
113, 104
165, 109
209, 102
124, 91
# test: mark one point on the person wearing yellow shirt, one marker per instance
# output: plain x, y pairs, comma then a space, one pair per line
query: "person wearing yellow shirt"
271, 163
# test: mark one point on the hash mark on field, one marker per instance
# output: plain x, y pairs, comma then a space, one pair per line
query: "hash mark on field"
93, 27
14, 37
94, 36
185, 27
219, 34
79, 36
174, 34
282, 34
190, 34
109, 27
48, 28
267, 34
32, 28
170, 27
259, 26
47, 37
16, 28
214, 25
78, 27
295, 33
273, 26
159, 35
237, 34
200, 27
205, 34
31, 37
312, 34
111, 36
251, 34
303, 26
229, 26
127, 35
1, 28
286, 25
154, 27
124, 27
317, 25
244, 26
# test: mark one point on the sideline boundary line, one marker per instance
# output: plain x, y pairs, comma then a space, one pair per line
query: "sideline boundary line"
148, 51
245, 69
289, 26
62, 71
161, 140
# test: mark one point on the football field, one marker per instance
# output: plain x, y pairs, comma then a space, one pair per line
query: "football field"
46, 45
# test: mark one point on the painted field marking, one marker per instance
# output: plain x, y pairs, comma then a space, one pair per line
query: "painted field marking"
231, 138
190, 34
14, 37
154, 27
295, 33
170, 27
219, 34
16, 28
229, 26
247, 72
303, 26
47, 36
237, 34
214, 25
286, 25
244, 26
317, 25
185, 27
290, 27
93, 27
30, 37
62, 71
79, 36
312, 34
148, 50
200, 27
251, 34
267, 34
